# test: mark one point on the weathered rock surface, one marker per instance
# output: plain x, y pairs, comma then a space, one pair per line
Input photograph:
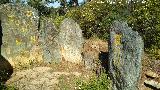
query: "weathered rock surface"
71, 41
125, 53
48, 40
26, 40
19, 27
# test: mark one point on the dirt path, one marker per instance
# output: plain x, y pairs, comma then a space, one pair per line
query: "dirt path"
38, 78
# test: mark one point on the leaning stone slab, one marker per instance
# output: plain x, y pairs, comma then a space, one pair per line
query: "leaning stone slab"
19, 27
71, 41
48, 40
125, 53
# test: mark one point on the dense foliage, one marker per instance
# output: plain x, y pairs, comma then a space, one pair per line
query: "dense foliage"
4, 1
96, 16
100, 83
91, 18
146, 20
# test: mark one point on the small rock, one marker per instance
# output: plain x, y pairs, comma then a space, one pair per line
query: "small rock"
153, 83
152, 74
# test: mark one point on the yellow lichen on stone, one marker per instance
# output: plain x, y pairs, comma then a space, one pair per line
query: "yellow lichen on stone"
118, 39
24, 29
11, 17
29, 13
18, 42
117, 50
17, 22
33, 39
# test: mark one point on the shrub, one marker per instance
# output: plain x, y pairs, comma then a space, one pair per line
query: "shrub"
95, 83
146, 20
90, 16
3, 87
96, 16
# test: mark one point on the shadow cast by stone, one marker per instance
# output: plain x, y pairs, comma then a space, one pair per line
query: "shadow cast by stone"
6, 69
1, 35
151, 87
103, 57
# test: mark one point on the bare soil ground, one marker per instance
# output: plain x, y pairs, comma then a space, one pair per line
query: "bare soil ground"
61, 76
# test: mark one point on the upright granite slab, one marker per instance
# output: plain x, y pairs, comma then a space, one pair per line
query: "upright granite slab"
19, 27
71, 41
48, 40
125, 53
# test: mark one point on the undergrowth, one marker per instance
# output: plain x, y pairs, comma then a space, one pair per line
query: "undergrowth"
4, 87
102, 82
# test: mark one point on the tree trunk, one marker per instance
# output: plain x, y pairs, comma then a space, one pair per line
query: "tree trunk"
63, 3
74, 3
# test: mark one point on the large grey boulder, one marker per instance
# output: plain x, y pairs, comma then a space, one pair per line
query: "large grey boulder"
19, 27
125, 53
48, 40
71, 41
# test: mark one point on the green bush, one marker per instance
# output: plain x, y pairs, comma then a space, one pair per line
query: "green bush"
57, 21
95, 83
96, 16
146, 20
3, 87
90, 17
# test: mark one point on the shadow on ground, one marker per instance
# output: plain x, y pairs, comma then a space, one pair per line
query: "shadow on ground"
103, 57
6, 69
151, 87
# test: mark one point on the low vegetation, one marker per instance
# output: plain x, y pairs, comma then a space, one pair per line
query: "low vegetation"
4, 87
95, 83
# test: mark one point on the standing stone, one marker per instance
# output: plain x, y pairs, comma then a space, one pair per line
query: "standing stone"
71, 41
19, 28
49, 40
125, 53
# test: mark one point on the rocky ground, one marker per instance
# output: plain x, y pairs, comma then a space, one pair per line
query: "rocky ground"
49, 77
63, 76
151, 67
38, 78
